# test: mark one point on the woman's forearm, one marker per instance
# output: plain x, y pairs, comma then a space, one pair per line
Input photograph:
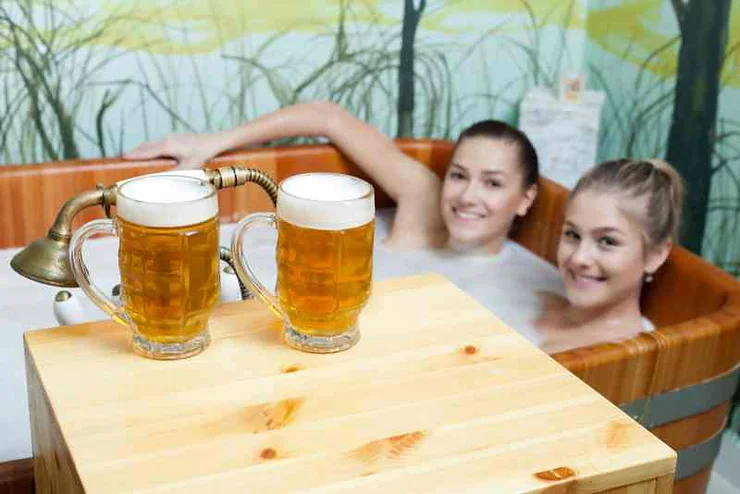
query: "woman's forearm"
303, 119
374, 152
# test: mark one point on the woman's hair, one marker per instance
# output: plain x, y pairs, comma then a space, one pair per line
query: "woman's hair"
654, 181
495, 129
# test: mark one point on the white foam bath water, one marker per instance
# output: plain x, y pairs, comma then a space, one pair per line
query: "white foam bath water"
507, 283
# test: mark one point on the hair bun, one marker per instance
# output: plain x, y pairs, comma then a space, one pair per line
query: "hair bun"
674, 179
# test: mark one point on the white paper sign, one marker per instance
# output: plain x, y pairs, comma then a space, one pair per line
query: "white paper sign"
564, 133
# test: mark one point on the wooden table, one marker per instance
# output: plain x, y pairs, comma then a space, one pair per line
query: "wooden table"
438, 395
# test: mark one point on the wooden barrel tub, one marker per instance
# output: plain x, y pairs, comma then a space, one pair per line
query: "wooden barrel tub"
677, 380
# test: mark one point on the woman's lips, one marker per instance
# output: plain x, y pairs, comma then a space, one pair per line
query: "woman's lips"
466, 215
585, 282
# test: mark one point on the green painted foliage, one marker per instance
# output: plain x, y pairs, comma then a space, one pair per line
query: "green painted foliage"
79, 77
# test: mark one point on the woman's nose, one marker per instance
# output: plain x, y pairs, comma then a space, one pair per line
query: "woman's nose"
582, 256
470, 193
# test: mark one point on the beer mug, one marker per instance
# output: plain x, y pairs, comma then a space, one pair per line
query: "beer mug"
169, 262
325, 228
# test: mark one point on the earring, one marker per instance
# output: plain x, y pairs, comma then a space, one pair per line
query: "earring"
648, 277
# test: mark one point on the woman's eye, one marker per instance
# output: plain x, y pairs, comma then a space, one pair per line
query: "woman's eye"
493, 184
608, 241
456, 176
571, 235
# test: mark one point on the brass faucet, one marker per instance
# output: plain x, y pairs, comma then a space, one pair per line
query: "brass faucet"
46, 260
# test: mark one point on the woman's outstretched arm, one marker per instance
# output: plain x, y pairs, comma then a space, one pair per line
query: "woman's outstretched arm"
400, 176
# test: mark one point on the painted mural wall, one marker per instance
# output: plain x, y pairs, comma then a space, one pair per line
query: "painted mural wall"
84, 78
670, 72
90, 78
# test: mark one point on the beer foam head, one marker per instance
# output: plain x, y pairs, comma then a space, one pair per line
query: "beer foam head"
326, 201
166, 201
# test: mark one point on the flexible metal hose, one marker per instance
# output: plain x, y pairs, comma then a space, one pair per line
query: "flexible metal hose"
234, 176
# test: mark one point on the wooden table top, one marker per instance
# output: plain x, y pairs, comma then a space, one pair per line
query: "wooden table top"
438, 394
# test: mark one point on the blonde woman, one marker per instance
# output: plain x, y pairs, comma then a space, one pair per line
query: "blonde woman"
620, 224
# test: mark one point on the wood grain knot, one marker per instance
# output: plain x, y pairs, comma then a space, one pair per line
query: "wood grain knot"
271, 416
268, 454
471, 350
556, 474
292, 368
616, 435
389, 448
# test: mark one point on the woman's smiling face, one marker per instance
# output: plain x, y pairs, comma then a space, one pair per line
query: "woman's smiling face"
483, 192
602, 255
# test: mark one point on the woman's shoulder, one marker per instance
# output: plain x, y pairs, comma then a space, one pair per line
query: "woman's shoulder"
417, 226
398, 231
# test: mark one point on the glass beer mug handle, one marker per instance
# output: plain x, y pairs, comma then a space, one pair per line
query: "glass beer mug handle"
81, 273
241, 264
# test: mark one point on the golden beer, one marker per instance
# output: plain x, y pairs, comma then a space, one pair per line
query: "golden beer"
168, 257
167, 225
169, 278
324, 276
325, 227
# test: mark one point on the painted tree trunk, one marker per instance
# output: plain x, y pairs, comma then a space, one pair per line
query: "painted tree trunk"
704, 30
411, 17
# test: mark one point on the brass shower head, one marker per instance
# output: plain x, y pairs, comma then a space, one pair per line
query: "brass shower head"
47, 259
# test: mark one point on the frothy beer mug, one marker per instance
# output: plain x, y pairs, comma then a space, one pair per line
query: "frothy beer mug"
168, 258
325, 224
